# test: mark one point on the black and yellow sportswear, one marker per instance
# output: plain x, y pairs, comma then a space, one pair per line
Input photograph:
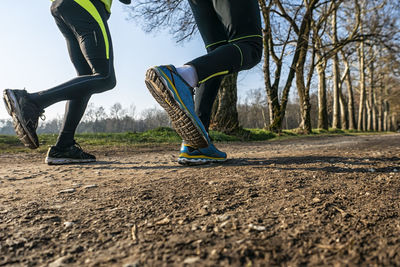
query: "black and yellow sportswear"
84, 26
231, 31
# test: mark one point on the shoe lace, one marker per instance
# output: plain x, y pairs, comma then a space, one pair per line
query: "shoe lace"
77, 145
42, 116
80, 150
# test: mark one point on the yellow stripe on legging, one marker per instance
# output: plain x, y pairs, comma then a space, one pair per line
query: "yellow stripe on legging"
241, 54
107, 3
244, 37
89, 7
214, 75
219, 42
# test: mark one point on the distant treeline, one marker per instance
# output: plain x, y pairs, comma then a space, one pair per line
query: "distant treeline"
252, 110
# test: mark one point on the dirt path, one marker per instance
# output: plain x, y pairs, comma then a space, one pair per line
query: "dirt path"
315, 201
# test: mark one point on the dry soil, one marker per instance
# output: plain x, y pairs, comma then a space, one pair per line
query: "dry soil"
307, 201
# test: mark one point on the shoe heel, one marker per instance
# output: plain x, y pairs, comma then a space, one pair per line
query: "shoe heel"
181, 121
7, 102
158, 91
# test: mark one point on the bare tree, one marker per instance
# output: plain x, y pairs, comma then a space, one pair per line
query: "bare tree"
336, 74
335, 27
116, 111
156, 15
299, 17
225, 116
350, 93
276, 51
329, 39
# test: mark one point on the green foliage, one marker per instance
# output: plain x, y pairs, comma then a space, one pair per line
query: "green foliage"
10, 143
337, 131
260, 135
221, 137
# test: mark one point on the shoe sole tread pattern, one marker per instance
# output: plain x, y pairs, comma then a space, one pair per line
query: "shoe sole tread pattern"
64, 161
194, 162
13, 109
181, 121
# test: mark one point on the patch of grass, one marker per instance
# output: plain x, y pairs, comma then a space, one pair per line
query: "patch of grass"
162, 135
289, 133
159, 135
221, 137
336, 131
9, 143
260, 135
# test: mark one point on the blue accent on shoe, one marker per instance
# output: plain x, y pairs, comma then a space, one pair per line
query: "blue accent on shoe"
196, 156
182, 93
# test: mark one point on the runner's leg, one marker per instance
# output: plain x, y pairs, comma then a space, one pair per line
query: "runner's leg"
87, 22
88, 61
220, 24
242, 24
214, 35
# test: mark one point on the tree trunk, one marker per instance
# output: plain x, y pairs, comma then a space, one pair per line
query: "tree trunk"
296, 69
276, 107
374, 108
393, 123
371, 106
225, 117
385, 115
303, 91
361, 110
322, 105
336, 78
380, 105
304, 97
350, 104
343, 111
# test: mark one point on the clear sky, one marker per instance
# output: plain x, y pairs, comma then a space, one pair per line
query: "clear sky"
34, 56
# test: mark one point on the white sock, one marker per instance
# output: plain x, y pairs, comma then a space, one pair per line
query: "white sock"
188, 73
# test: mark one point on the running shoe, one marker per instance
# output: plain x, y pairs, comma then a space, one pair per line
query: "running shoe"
25, 116
69, 155
198, 156
172, 92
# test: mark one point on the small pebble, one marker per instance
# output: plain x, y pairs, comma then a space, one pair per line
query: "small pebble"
225, 224
316, 200
257, 227
134, 233
91, 186
164, 221
58, 262
223, 217
67, 191
191, 260
68, 224
133, 264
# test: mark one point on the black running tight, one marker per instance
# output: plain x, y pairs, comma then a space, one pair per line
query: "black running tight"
84, 26
231, 31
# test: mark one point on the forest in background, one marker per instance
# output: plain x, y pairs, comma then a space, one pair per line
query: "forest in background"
252, 110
